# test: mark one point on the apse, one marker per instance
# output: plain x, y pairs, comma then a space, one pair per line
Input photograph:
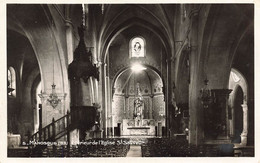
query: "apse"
130, 85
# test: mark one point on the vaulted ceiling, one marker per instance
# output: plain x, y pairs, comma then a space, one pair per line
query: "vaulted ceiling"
227, 29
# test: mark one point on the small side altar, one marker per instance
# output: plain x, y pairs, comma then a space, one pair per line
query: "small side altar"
136, 127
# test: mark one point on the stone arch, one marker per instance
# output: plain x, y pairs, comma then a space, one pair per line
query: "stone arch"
45, 43
127, 67
242, 83
239, 86
38, 25
151, 85
220, 42
127, 24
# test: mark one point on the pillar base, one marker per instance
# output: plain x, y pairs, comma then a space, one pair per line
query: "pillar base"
74, 137
243, 139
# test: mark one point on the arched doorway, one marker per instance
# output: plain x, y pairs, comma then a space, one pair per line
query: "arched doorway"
129, 86
238, 113
37, 112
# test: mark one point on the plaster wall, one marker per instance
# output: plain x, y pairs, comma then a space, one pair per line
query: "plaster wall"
119, 50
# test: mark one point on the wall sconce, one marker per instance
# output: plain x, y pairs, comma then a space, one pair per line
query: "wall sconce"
205, 95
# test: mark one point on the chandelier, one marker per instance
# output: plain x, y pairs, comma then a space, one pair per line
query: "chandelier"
53, 98
205, 95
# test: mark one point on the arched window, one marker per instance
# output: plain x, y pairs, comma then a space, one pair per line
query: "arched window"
11, 81
234, 76
137, 47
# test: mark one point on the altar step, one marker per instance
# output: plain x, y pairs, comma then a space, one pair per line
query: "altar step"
134, 151
218, 141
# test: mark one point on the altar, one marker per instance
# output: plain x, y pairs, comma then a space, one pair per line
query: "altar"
142, 127
138, 126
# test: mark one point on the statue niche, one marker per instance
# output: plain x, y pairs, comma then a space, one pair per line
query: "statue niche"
138, 105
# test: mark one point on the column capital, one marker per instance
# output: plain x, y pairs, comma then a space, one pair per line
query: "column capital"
244, 107
244, 134
68, 23
99, 63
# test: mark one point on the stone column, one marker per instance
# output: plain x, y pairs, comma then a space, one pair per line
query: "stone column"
151, 107
102, 101
107, 113
92, 90
69, 39
126, 107
113, 129
232, 128
168, 109
195, 128
245, 125
35, 119
109, 104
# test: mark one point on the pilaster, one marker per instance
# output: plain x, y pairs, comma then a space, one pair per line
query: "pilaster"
245, 124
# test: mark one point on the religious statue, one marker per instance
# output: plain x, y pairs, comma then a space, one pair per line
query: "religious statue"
138, 105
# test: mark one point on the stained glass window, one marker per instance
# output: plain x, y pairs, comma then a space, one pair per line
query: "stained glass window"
137, 47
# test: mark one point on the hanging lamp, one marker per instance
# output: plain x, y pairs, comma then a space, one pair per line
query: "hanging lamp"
53, 98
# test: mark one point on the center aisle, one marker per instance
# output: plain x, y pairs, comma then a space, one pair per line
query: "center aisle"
134, 151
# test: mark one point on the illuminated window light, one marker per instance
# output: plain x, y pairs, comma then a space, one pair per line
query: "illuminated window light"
137, 68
